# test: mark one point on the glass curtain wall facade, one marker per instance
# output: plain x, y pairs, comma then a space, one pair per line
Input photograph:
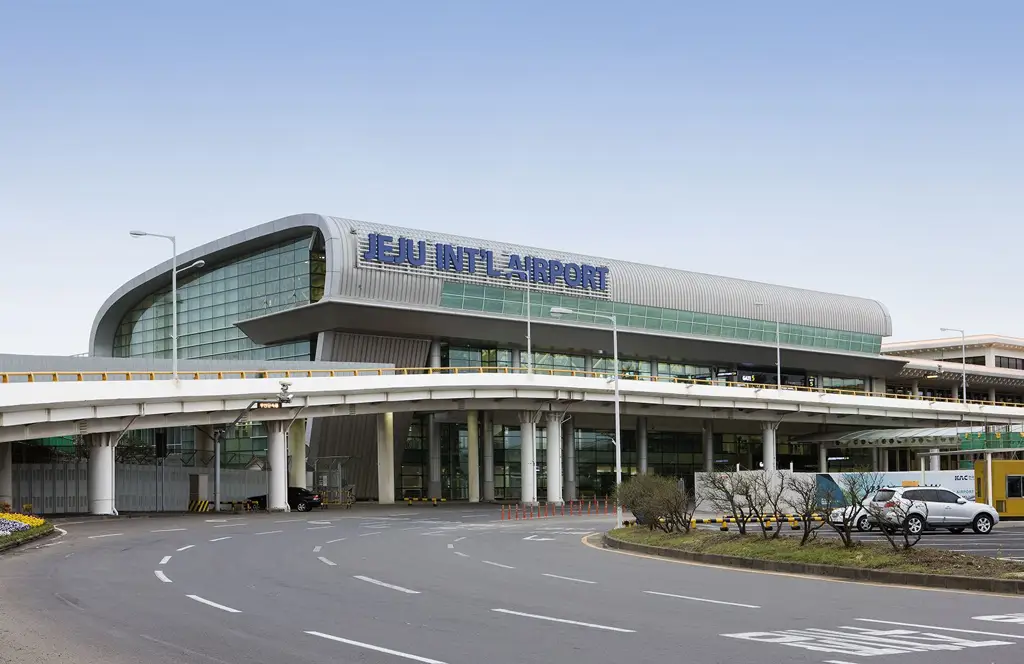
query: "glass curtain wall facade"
210, 300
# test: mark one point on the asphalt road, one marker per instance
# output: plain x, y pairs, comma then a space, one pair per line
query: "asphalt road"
454, 585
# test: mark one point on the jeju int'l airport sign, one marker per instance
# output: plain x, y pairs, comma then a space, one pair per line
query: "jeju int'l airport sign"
442, 257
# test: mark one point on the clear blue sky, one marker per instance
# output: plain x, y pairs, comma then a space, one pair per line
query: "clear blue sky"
867, 149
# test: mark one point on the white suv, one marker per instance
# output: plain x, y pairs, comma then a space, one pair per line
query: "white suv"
929, 508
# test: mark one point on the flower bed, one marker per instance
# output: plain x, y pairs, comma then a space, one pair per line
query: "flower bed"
11, 523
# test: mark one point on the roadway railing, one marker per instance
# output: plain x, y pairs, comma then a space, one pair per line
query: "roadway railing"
15, 377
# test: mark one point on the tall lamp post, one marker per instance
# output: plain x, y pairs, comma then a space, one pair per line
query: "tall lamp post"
963, 357
174, 292
778, 350
557, 312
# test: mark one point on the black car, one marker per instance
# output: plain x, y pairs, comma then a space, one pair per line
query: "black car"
299, 499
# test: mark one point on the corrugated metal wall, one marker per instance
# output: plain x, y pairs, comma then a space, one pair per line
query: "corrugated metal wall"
631, 283
356, 436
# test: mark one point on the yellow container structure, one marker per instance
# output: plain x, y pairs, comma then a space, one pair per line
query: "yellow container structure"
1007, 486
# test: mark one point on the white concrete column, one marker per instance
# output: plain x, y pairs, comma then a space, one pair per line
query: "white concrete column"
915, 389
277, 456
488, 426
473, 458
568, 460
386, 459
517, 358
434, 456
956, 391
528, 454
874, 459
768, 445
992, 394
878, 385
435, 354
641, 445
554, 460
883, 459
708, 445
297, 452
204, 447
7, 476
101, 473
822, 457
934, 462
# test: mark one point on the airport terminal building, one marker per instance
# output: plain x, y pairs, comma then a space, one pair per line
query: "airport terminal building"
312, 288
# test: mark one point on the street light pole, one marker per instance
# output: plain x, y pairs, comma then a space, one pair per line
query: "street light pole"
963, 358
562, 311
174, 292
778, 349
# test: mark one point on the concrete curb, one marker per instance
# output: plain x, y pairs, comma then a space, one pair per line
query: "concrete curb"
1001, 586
4, 547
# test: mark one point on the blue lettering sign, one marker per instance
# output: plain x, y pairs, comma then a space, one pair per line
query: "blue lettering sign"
475, 260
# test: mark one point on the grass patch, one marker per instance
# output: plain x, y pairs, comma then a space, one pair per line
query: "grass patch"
828, 551
14, 539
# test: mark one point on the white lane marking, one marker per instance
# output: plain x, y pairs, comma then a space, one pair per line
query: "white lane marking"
459, 553
386, 651
945, 629
369, 534
569, 578
230, 525
563, 620
316, 549
269, 532
160, 575
488, 562
1013, 618
213, 604
220, 539
186, 547
164, 560
319, 523
387, 585
451, 546
169, 530
318, 527
837, 661
701, 599
107, 535
337, 540
460, 539
325, 561
413, 528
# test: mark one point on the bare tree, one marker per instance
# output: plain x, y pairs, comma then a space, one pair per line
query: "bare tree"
727, 493
765, 500
856, 488
902, 521
808, 502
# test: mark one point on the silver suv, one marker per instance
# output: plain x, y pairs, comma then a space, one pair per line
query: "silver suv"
929, 508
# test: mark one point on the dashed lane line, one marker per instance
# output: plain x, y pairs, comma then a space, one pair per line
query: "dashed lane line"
220, 539
325, 561
169, 530
336, 540
160, 575
269, 532
491, 562
380, 649
370, 534
107, 535
461, 554
186, 547
569, 578
318, 527
165, 560
564, 621
387, 585
702, 599
213, 604
230, 525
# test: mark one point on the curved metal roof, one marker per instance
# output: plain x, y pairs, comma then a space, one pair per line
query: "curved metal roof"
628, 282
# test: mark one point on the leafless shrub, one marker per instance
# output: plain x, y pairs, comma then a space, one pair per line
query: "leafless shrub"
659, 502
807, 502
727, 493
